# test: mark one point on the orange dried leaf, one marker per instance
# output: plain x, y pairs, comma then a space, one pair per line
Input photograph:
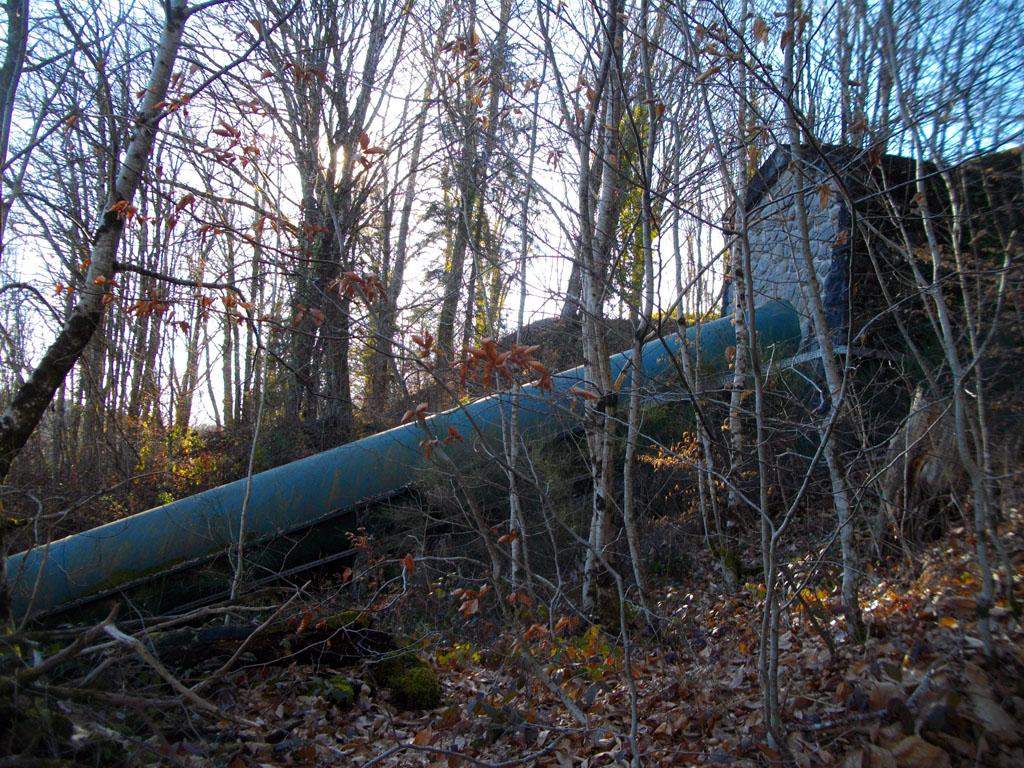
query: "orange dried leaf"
586, 394
539, 367
535, 631
567, 624
760, 30
186, 201
519, 597
707, 74
824, 194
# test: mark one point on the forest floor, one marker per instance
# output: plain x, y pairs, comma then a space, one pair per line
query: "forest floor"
917, 694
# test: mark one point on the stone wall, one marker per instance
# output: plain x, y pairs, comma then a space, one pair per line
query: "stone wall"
777, 260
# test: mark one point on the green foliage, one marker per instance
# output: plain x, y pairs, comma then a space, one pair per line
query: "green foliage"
113, 508
689, 318
589, 657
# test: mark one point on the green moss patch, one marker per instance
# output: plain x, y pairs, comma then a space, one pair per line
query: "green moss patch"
337, 689
413, 683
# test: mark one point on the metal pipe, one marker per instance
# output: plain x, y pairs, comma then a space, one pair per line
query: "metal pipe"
296, 496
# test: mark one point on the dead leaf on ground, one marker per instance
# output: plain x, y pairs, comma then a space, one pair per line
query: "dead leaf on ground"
915, 752
869, 756
989, 714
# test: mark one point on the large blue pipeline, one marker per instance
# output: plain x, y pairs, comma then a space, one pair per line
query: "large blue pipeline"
106, 560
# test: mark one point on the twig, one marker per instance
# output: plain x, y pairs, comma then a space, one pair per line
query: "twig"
826, 725
161, 670
809, 612
120, 266
245, 643
874, 714
110, 697
199, 613
26, 676
98, 670
384, 755
461, 755
557, 690
243, 516
924, 684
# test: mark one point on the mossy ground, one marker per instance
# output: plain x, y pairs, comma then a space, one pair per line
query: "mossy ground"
337, 689
412, 682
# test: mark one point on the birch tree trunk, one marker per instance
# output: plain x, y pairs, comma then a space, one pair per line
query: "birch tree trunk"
646, 144
736, 194
811, 289
599, 229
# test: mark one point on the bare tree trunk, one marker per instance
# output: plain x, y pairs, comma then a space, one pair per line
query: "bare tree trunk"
646, 145
516, 520
190, 377
948, 340
736, 193
227, 388
30, 402
209, 377
599, 229
17, 12
466, 182
812, 293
